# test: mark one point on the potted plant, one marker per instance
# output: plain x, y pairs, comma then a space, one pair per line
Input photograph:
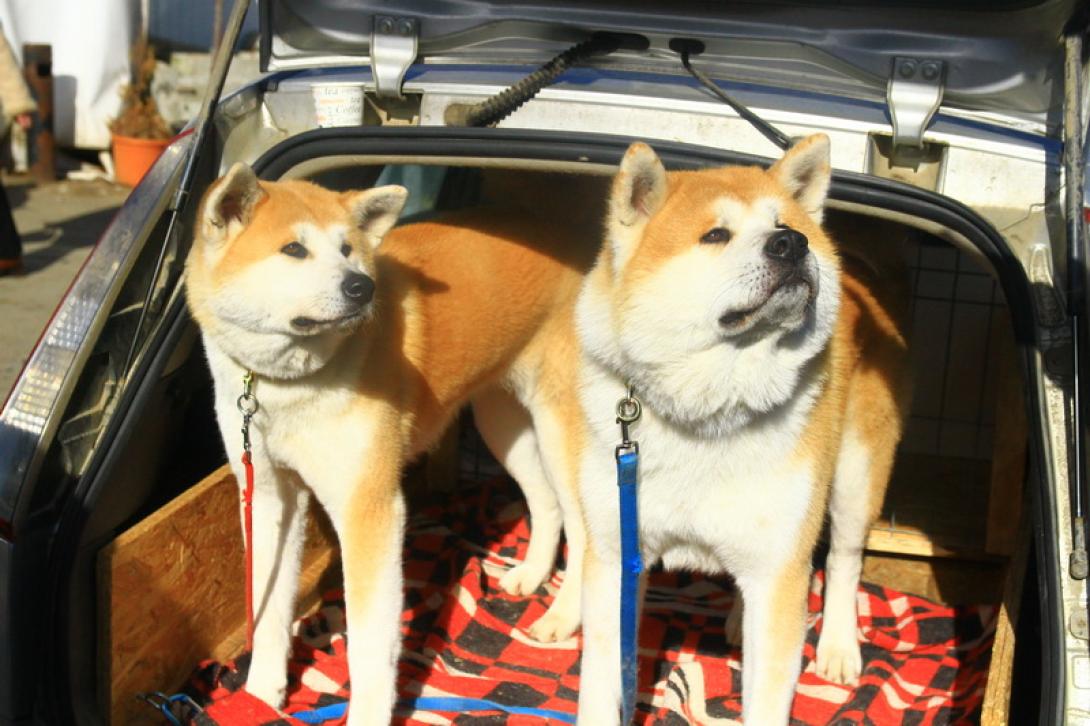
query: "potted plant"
139, 133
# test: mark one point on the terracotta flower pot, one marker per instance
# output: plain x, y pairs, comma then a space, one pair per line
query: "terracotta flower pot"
133, 157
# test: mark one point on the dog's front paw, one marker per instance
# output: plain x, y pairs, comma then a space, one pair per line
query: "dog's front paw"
839, 660
555, 625
268, 683
523, 579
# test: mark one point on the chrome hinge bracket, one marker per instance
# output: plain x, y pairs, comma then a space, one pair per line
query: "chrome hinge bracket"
394, 43
913, 95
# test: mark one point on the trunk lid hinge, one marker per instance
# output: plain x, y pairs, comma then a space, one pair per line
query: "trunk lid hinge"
394, 42
913, 95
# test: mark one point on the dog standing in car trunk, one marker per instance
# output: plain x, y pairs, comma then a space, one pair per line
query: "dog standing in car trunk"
772, 376
360, 355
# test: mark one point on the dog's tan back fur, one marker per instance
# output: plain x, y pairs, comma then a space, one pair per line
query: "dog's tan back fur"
481, 286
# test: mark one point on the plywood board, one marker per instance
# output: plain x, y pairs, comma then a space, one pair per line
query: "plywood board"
946, 580
935, 507
172, 591
964, 507
997, 694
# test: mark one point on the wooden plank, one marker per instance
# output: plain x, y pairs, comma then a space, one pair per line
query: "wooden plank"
913, 542
949, 581
171, 592
317, 576
1009, 450
934, 508
995, 710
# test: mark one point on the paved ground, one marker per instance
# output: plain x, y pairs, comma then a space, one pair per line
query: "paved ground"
59, 223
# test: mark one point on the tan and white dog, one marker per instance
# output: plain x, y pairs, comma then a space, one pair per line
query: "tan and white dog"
361, 356
771, 373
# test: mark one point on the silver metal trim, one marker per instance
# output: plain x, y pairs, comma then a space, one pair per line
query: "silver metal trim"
393, 49
914, 94
30, 415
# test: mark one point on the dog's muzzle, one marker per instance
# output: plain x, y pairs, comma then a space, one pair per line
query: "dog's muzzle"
790, 291
358, 290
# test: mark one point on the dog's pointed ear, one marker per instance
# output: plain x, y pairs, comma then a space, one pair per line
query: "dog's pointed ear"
230, 203
806, 171
375, 211
638, 192
639, 188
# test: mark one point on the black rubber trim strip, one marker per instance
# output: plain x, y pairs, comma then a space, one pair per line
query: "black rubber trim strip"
1045, 533
847, 186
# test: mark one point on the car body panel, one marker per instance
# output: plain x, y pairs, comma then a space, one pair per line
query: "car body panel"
804, 66
34, 412
999, 56
29, 415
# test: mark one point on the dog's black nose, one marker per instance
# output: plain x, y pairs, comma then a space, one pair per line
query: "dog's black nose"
788, 245
358, 288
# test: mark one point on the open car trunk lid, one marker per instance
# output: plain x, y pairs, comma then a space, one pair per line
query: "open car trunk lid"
1002, 55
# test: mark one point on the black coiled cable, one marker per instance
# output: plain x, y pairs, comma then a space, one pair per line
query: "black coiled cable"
503, 104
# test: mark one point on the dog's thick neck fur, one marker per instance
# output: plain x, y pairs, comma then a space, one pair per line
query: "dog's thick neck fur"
713, 388
272, 355
716, 392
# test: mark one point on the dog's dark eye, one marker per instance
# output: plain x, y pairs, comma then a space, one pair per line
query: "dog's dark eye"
294, 249
346, 249
716, 236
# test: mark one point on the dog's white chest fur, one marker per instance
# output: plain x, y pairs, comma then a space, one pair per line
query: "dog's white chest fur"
290, 412
710, 504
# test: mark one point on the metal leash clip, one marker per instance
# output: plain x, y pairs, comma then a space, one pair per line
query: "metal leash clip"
247, 406
629, 410
177, 709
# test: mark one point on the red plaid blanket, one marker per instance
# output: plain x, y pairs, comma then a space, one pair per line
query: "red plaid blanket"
463, 636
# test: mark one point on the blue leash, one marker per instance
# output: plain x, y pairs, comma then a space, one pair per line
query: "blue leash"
439, 703
167, 705
628, 466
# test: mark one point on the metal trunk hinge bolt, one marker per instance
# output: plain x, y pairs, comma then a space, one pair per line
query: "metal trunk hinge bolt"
914, 94
393, 49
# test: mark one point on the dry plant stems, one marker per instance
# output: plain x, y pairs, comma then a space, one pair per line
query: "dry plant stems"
139, 117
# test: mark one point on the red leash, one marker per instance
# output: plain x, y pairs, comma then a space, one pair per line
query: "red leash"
247, 406
248, 508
